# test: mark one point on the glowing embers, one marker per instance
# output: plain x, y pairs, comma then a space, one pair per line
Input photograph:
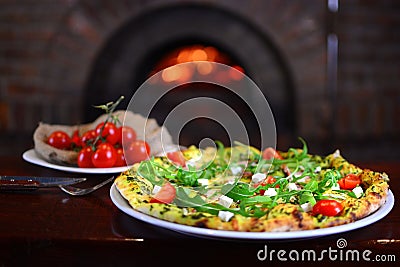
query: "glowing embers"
202, 56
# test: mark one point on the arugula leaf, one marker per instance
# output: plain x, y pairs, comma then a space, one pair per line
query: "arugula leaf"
307, 196
255, 206
214, 208
311, 186
237, 192
188, 178
330, 177
146, 170
182, 198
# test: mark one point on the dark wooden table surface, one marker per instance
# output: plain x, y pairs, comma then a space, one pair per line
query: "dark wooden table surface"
49, 227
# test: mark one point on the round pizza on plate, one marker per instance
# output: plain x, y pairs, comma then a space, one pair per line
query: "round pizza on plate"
240, 188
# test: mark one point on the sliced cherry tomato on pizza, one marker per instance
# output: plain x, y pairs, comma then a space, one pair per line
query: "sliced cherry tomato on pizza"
166, 194
85, 157
270, 153
349, 182
268, 180
108, 131
137, 151
59, 139
327, 207
177, 158
105, 156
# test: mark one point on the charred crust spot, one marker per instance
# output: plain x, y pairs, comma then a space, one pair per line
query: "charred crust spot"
376, 195
298, 216
201, 224
197, 216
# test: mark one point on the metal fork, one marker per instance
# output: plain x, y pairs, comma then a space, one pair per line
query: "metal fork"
75, 191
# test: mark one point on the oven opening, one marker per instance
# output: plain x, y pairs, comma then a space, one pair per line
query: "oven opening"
203, 122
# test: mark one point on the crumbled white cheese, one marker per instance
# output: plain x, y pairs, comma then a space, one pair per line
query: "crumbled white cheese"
358, 191
156, 188
270, 192
306, 207
225, 201
305, 179
317, 169
203, 181
336, 186
225, 215
190, 163
292, 186
258, 177
336, 154
236, 170
185, 211
297, 174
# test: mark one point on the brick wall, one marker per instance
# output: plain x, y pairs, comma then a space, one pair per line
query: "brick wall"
369, 69
47, 47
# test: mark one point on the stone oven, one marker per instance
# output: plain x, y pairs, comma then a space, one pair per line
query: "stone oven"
285, 53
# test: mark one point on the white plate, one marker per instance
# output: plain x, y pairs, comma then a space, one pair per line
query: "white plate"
124, 206
32, 157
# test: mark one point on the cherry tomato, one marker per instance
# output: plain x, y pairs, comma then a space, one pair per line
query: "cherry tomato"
177, 158
76, 139
105, 156
59, 139
110, 132
126, 135
137, 151
85, 157
88, 137
166, 194
270, 153
327, 207
120, 158
268, 180
350, 181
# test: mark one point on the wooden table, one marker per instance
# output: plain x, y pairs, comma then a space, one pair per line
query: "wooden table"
50, 227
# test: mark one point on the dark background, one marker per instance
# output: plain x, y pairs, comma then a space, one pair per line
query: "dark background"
58, 56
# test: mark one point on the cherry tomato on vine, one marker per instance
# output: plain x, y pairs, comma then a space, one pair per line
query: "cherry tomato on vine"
88, 137
327, 207
76, 139
349, 182
109, 132
166, 194
126, 135
120, 157
59, 139
105, 156
85, 157
137, 151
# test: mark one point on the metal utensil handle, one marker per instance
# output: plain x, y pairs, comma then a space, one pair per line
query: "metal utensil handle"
13, 185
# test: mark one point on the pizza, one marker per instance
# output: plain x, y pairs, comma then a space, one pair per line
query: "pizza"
240, 188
